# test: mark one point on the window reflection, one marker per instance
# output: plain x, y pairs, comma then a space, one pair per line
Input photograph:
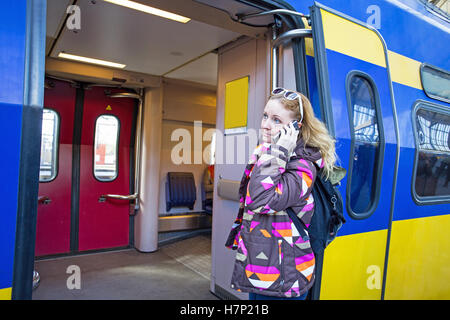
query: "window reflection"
433, 165
366, 145
364, 121
364, 115
435, 82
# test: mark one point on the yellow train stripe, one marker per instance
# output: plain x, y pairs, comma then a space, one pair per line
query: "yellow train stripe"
419, 259
353, 267
404, 70
309, 48
5, 294
352, 39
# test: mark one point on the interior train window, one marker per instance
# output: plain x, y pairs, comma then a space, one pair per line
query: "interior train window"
432, 167
435, 82
49, 146
106, 147
367, 145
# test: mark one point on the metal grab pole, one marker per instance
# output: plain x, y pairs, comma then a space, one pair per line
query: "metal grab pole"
292, 34
274, 61
138, 149
271, 12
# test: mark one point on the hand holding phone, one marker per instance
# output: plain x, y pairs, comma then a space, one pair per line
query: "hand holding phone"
287, 137
284, 130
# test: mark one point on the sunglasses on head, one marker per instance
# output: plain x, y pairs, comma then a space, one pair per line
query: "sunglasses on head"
290, 95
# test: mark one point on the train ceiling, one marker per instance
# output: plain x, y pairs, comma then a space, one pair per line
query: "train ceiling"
147, 43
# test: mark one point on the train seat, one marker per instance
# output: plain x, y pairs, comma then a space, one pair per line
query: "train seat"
208, 189
180, 190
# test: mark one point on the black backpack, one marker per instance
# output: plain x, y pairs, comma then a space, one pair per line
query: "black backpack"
328, 214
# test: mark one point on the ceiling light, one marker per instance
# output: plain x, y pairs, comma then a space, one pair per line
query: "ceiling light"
150, 10
91, 60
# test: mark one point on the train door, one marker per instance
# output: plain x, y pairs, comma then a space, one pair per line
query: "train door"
357, 105
55, 176
87, 149
105, 159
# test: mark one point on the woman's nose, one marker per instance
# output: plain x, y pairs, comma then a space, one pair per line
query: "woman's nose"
266, 124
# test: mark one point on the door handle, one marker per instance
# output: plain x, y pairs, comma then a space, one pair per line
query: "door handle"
133, 207
44, 200
117, 196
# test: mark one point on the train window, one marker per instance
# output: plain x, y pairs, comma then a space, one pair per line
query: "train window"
367, 145
435, 82
432, 167
106, 147
49, 146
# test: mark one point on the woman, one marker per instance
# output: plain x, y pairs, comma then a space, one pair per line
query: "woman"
272, 260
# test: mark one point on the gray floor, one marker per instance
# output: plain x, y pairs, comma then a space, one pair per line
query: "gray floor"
179, 270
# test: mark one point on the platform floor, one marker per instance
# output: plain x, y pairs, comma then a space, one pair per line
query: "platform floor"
178, 270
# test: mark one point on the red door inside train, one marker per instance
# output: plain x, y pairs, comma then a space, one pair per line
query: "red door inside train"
88, 162
105, 169
54, 218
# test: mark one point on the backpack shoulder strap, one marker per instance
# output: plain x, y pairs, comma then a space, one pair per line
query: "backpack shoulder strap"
298, 224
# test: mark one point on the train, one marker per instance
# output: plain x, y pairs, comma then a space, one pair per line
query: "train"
112, 112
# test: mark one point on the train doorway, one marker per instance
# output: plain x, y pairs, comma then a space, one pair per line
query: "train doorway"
88, 142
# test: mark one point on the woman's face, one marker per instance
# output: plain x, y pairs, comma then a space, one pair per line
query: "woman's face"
275, 116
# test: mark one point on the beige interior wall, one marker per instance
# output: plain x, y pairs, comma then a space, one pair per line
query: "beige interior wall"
184, 103
248, 57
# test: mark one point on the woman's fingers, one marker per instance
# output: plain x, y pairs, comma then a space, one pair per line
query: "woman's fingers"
289, 131
291, 127
288, 137
295, 132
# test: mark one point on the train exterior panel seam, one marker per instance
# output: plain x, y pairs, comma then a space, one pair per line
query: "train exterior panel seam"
418, 259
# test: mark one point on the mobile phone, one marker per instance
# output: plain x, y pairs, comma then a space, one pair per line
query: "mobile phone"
277, 136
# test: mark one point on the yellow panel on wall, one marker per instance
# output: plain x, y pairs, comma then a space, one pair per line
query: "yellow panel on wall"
236, 103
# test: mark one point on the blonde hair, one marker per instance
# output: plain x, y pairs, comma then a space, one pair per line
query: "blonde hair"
313, 131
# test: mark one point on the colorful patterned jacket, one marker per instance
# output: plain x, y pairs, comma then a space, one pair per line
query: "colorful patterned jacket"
271, 258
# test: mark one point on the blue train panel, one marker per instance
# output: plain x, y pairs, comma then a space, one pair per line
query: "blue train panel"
12, 65
406, 31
